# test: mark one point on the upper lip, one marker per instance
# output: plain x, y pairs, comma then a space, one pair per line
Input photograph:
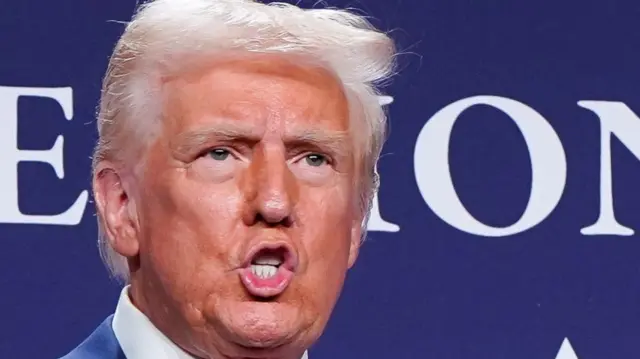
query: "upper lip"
290, 258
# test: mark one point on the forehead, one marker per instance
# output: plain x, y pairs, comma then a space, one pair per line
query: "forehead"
267, 92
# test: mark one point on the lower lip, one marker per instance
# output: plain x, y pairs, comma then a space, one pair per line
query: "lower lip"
266, 287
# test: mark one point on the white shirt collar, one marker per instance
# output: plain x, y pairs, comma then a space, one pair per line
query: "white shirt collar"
139, 338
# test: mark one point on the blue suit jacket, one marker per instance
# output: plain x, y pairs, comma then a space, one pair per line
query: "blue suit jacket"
101, 344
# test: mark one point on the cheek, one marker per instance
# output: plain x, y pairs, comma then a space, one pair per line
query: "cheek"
191, 226
327, 220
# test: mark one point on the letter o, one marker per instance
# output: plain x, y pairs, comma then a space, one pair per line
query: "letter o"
548, 162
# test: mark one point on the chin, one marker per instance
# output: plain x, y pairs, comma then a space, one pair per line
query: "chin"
265, 327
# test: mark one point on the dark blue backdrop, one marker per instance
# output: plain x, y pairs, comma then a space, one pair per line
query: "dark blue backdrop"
426, 289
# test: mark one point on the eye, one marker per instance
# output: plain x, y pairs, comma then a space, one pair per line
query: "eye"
219, 154
315, 160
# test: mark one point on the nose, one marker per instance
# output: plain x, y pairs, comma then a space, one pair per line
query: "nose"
271, 190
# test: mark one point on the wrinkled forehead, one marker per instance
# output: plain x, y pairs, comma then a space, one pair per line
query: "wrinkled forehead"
266, 93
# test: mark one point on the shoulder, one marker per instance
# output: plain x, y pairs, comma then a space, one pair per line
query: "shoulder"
101, 344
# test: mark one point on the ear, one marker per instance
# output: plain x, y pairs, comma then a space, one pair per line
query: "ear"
356, 241
116, 210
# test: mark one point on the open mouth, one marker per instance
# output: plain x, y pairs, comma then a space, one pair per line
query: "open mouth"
268, 270
266, 263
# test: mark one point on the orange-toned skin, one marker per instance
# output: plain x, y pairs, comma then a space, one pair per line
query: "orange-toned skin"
250, 152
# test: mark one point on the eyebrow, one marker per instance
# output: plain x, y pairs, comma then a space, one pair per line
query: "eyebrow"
187, 141
335, 142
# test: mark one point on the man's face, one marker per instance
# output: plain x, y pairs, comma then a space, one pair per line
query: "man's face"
247, 209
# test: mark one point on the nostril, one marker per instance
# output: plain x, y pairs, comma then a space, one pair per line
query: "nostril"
271, 221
